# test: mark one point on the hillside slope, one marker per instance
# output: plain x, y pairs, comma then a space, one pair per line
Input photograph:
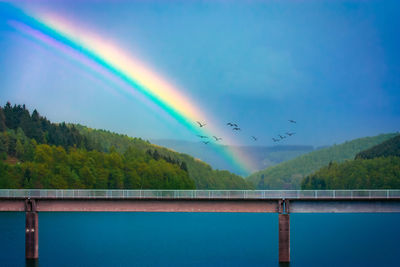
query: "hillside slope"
262, 156
36, 153
377, 173
202, 173
375, 168
388, 148
288, 175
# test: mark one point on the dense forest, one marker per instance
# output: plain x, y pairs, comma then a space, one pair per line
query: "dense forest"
390, 147
35, 153
202, 174
374, 168
40, 129
289, 174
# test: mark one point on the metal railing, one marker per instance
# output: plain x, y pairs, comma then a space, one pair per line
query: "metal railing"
199, 194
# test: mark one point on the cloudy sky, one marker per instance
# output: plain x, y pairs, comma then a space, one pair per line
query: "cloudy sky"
332, 66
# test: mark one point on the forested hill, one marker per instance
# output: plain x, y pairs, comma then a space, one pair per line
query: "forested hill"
35, 153
289, 174
34, 126
203, 175
261, 156
374, 168
388, 148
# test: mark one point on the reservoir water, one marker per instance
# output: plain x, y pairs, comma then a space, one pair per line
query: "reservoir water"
202, 239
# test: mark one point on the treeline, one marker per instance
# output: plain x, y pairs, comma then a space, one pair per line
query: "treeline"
26, 164
35, 153
155, 155
40, 129
375, 168
104, 140
379, 173
289, 174
390, 147
201, 173
54, 167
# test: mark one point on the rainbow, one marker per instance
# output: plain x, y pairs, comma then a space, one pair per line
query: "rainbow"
109, 62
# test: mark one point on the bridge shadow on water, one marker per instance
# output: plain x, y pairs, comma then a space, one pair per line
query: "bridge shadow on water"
35, 263
31, 263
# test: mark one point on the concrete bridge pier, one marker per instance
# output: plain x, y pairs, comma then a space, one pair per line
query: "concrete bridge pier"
31, 230
284, 232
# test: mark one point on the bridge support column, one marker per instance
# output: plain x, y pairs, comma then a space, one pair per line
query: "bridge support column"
31, 230
284, 238
284, 232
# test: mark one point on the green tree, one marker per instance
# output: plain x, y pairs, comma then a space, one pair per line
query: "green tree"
19, 150
2, 121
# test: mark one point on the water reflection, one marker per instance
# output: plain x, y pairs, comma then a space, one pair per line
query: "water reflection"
31, 263
371, 239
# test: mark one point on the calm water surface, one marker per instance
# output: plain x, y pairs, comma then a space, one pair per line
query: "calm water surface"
202, 239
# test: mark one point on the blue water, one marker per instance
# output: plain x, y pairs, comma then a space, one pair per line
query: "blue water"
202, 239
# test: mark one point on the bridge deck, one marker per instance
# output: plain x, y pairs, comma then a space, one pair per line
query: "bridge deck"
305, 201
198, 194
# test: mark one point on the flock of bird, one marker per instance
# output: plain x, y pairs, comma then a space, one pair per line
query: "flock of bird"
235, 127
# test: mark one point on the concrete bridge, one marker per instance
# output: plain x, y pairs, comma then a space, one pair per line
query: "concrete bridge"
282, 202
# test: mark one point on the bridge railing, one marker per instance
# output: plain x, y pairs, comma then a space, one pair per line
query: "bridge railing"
199, 194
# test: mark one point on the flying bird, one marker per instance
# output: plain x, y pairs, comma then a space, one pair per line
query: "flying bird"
202, 136
282, 137
232, 124
236, 129
255, 138
290, 134
292, 121
217, 138
201, 124
275, 140
206, 142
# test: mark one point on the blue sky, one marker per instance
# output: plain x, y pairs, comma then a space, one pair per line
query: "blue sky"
333, 66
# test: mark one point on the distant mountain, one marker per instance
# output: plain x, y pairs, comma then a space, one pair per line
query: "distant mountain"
288, 175
375, 168
262, 156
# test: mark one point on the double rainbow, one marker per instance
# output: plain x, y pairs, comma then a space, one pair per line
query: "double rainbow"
110, 62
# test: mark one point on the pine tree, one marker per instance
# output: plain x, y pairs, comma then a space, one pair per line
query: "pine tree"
12, 145
2, 120
184, 166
